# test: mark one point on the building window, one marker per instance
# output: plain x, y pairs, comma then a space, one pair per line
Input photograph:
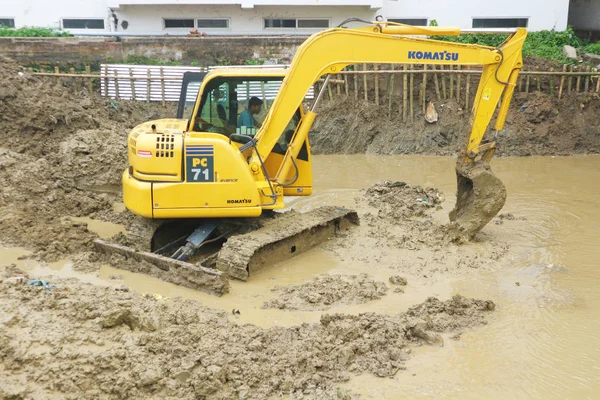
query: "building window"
213, 23
313, 23
410, 21
179, 23
280, 23
500, 22
81, 23
7, 22
296, 23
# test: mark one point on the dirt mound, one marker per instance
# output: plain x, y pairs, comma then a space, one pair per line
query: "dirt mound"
90, 342
537, 124
62, 155
326, 291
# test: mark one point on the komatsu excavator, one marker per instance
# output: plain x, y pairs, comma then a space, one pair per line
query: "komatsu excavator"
206, 178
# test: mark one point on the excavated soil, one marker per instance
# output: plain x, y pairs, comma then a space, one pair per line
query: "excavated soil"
537, 124
323, 292
61, 156
86, 342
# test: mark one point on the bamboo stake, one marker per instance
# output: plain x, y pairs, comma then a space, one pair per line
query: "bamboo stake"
520, 82
458, 86
391, 94
587, 80
57, 71
411, 89
162, 86
437, 84
338, 88
405, 94
346, 85
552, 83
132, 84
365, 83
376, 77
451, 77
330, 92
88, 71
562, 82
527, 84
116, 79
72, 71
597, 84
356, 86
569, 84
538, 80
105, 80
148, 86
424, 89
578, 81
443, 82
468, 78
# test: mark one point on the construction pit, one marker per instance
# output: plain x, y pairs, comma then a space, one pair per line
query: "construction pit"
400, 306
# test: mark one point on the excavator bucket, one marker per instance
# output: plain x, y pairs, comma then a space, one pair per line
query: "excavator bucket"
480, 195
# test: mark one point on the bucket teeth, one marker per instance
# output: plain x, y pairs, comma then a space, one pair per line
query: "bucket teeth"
480, 196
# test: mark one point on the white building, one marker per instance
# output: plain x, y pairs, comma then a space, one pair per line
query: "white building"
248, 17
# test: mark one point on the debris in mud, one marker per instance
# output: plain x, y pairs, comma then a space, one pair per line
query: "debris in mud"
401, 200
152, 347
326, 291
398, 280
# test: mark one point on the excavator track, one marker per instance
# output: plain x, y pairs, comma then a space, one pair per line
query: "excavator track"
251, 245
281, 238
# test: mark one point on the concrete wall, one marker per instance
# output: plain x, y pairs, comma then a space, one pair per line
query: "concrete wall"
542, 14
584, 15
246, 16
204, 51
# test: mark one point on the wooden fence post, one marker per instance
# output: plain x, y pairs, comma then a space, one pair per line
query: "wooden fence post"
468, 86
577, 84
162, 85
116, 79
391, 93
562, 82
411, 89
405, 95
356, 83
88, 71
586, 85
346, 84
376, 77
105, 80
458, 79
551, 83
527, 84
57, 71
570, 81
437, 84
443, 82
148, 85
132, 84
365, 82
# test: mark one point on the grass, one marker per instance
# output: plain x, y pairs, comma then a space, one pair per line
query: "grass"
31, 32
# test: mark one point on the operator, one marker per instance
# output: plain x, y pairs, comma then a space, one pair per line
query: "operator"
247, 116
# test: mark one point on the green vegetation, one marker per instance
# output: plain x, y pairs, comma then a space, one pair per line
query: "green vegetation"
31, 32
260, 61
142, 60
543, 44
593, 48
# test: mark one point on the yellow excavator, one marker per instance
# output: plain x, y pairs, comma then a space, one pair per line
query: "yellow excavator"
206, 177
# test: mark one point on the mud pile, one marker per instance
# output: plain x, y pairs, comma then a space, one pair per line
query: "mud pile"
61, 155
537, 124
88, 342
326, 291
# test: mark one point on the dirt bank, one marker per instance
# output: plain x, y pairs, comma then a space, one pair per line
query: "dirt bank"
536, 125
87, 342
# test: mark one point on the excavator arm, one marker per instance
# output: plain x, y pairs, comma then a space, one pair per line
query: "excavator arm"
332, 50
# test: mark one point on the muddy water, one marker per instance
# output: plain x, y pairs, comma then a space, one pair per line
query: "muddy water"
544, 339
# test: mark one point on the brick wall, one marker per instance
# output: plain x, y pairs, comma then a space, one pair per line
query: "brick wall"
205, 51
